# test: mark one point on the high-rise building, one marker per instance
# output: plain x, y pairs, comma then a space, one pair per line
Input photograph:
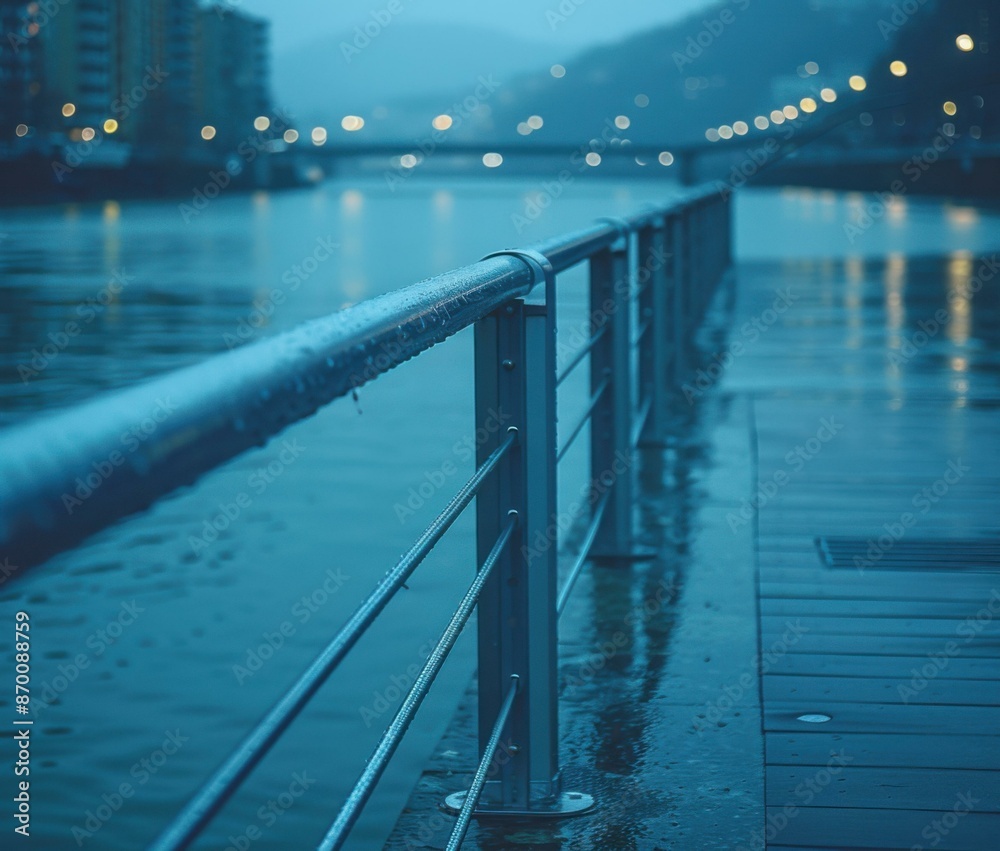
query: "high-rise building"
150, 73
20, 72
79, 40
232, 72
169, 119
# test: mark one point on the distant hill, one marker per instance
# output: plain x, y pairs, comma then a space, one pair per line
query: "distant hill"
732, 61
324, 80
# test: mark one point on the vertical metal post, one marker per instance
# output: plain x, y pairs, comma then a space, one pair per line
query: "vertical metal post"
515, 384
696, 282
677, 228
611, 422
654, 349
726, 207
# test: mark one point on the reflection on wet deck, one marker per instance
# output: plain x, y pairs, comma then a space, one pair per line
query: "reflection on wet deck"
740, 692
897, 653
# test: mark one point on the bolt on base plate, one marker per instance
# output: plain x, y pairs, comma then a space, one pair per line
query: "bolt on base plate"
567, 804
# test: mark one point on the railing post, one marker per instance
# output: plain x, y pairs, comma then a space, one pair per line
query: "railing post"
654, 348
680, 292
611, 423
696, 260
515, 370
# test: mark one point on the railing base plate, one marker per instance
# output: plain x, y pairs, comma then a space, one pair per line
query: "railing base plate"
566, 805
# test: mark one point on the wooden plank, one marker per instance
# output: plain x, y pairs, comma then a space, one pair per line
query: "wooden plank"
887, 788
806, 587
834, 665
876, 608
933, 627
902, 750
983, 585
780, 717
867, 645
904, 688
896, 830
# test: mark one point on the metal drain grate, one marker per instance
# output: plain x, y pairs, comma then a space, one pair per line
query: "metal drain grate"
888, 553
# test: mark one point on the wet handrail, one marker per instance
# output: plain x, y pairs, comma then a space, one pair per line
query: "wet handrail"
212, 412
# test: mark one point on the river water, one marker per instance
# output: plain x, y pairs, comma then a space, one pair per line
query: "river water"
154, 647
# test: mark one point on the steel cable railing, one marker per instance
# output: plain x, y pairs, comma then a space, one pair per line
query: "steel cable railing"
235, 402
594, 401
227, 778
479, 779
377, 762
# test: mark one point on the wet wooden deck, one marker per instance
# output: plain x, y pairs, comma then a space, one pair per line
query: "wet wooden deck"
688, 734
863, 431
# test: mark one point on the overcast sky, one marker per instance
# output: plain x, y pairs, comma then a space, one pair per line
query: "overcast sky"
588, 21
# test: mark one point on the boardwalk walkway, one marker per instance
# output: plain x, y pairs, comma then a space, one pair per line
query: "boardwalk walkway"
684, 680
875, 402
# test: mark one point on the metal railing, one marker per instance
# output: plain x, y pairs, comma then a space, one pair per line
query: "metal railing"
652, 277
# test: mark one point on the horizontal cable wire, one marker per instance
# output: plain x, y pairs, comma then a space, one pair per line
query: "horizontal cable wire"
602, 388
580, 355
641, 332
640, 421
214, 794
362, 791
476, 789
584, 554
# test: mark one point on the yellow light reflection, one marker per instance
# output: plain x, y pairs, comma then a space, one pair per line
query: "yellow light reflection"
351, 201
444, 202
896, 210
959, 297
962, 217
854, 268
895, 284
354, 289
